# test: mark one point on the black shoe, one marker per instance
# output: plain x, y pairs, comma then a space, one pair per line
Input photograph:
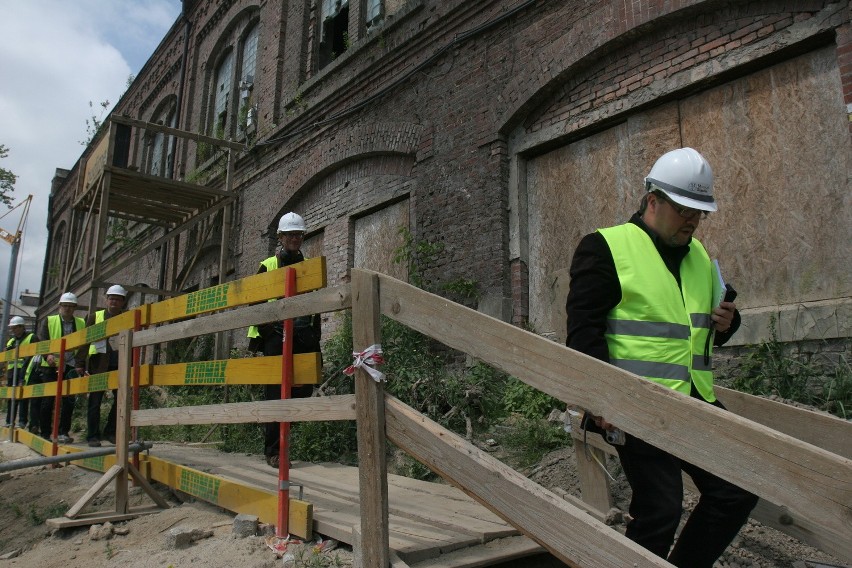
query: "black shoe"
94, 443
273, 461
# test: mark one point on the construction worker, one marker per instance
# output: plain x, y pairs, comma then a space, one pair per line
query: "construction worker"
641, 298
268, 338
103, 358
16, 369
55, 327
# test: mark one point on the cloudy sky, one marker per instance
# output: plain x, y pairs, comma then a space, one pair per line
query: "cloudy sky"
55, 57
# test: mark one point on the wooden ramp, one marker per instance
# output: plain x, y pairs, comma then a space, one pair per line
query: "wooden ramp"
431, 524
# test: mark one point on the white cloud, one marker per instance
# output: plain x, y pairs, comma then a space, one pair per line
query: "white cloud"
55, 57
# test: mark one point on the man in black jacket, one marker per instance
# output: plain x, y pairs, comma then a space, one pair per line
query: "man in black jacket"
641, 298
268, 338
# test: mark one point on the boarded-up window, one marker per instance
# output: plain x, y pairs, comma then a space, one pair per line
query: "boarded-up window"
779, 146
377, 236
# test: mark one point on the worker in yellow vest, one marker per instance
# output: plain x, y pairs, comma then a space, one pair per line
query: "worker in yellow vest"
17, 368
642, 298
55, 327
103, 358
268, 338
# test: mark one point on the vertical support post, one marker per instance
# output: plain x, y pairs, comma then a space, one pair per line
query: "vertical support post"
594, 484
122, 418
103, 213
221, 337
282, 529
57, 400
370, 417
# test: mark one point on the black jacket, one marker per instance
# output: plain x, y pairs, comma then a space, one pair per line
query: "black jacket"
595, 290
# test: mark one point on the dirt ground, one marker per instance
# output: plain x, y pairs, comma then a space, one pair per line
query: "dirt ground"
29, 496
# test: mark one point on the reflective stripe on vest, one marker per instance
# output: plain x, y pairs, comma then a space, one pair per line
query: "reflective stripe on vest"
98, 346
657, 330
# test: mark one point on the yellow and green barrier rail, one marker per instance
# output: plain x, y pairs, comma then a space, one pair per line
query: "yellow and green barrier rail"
310, 275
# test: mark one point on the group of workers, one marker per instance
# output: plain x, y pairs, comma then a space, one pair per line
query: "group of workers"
36, 414
641, 298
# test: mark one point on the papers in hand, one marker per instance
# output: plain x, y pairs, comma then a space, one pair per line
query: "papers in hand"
718, 284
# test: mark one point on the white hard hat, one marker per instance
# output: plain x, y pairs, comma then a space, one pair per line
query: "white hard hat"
68, 298
16, 320
291, 222
685, 177
116, 290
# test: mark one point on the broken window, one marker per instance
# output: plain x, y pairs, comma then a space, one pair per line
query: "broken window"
222, 93
334, 30
374, 13
247, 107
162, 147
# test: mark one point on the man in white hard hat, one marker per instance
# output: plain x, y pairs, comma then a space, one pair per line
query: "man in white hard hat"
641, 298
16, 369
268, 338
55, 327
103, 358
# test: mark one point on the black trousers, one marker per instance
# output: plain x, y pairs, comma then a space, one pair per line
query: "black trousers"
93, 417
656, 506
22, 405
44, 406
273, 346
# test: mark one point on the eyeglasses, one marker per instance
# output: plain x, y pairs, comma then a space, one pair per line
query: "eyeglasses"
685, 212
291, 235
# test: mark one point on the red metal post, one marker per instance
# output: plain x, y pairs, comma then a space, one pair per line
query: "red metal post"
57, 401
283, 527
137, 325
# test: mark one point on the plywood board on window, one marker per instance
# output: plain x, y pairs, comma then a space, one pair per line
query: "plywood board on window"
779, 144
377, 236
574, 190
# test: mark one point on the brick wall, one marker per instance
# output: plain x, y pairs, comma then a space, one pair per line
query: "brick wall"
444, 136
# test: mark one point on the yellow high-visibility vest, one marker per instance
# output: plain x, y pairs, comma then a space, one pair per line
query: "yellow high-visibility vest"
659, 330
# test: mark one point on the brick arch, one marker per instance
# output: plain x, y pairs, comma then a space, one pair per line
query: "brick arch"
352, 144
608, 29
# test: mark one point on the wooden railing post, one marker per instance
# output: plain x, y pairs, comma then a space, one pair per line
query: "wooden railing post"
122, 417
370, 419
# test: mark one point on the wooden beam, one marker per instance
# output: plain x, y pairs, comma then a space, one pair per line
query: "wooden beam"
337, 407
811, 482
369, 408
820, 429
93, 491
324, 300
122, 419
121, 119
570, 534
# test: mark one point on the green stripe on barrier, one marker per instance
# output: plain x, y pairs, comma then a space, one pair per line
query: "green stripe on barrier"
96, 332
208, 299
205, 373
202, 486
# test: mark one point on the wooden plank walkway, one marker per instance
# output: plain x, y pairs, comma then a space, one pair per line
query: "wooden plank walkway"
430, 524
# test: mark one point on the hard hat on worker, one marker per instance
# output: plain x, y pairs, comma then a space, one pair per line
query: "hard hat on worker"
116, 290
68, 298
16, 320
291, 223
685, 177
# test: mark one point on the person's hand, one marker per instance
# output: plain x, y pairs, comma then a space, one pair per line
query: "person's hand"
602, 423
723, 315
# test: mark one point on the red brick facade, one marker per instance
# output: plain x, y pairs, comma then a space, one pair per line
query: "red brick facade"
437, 103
